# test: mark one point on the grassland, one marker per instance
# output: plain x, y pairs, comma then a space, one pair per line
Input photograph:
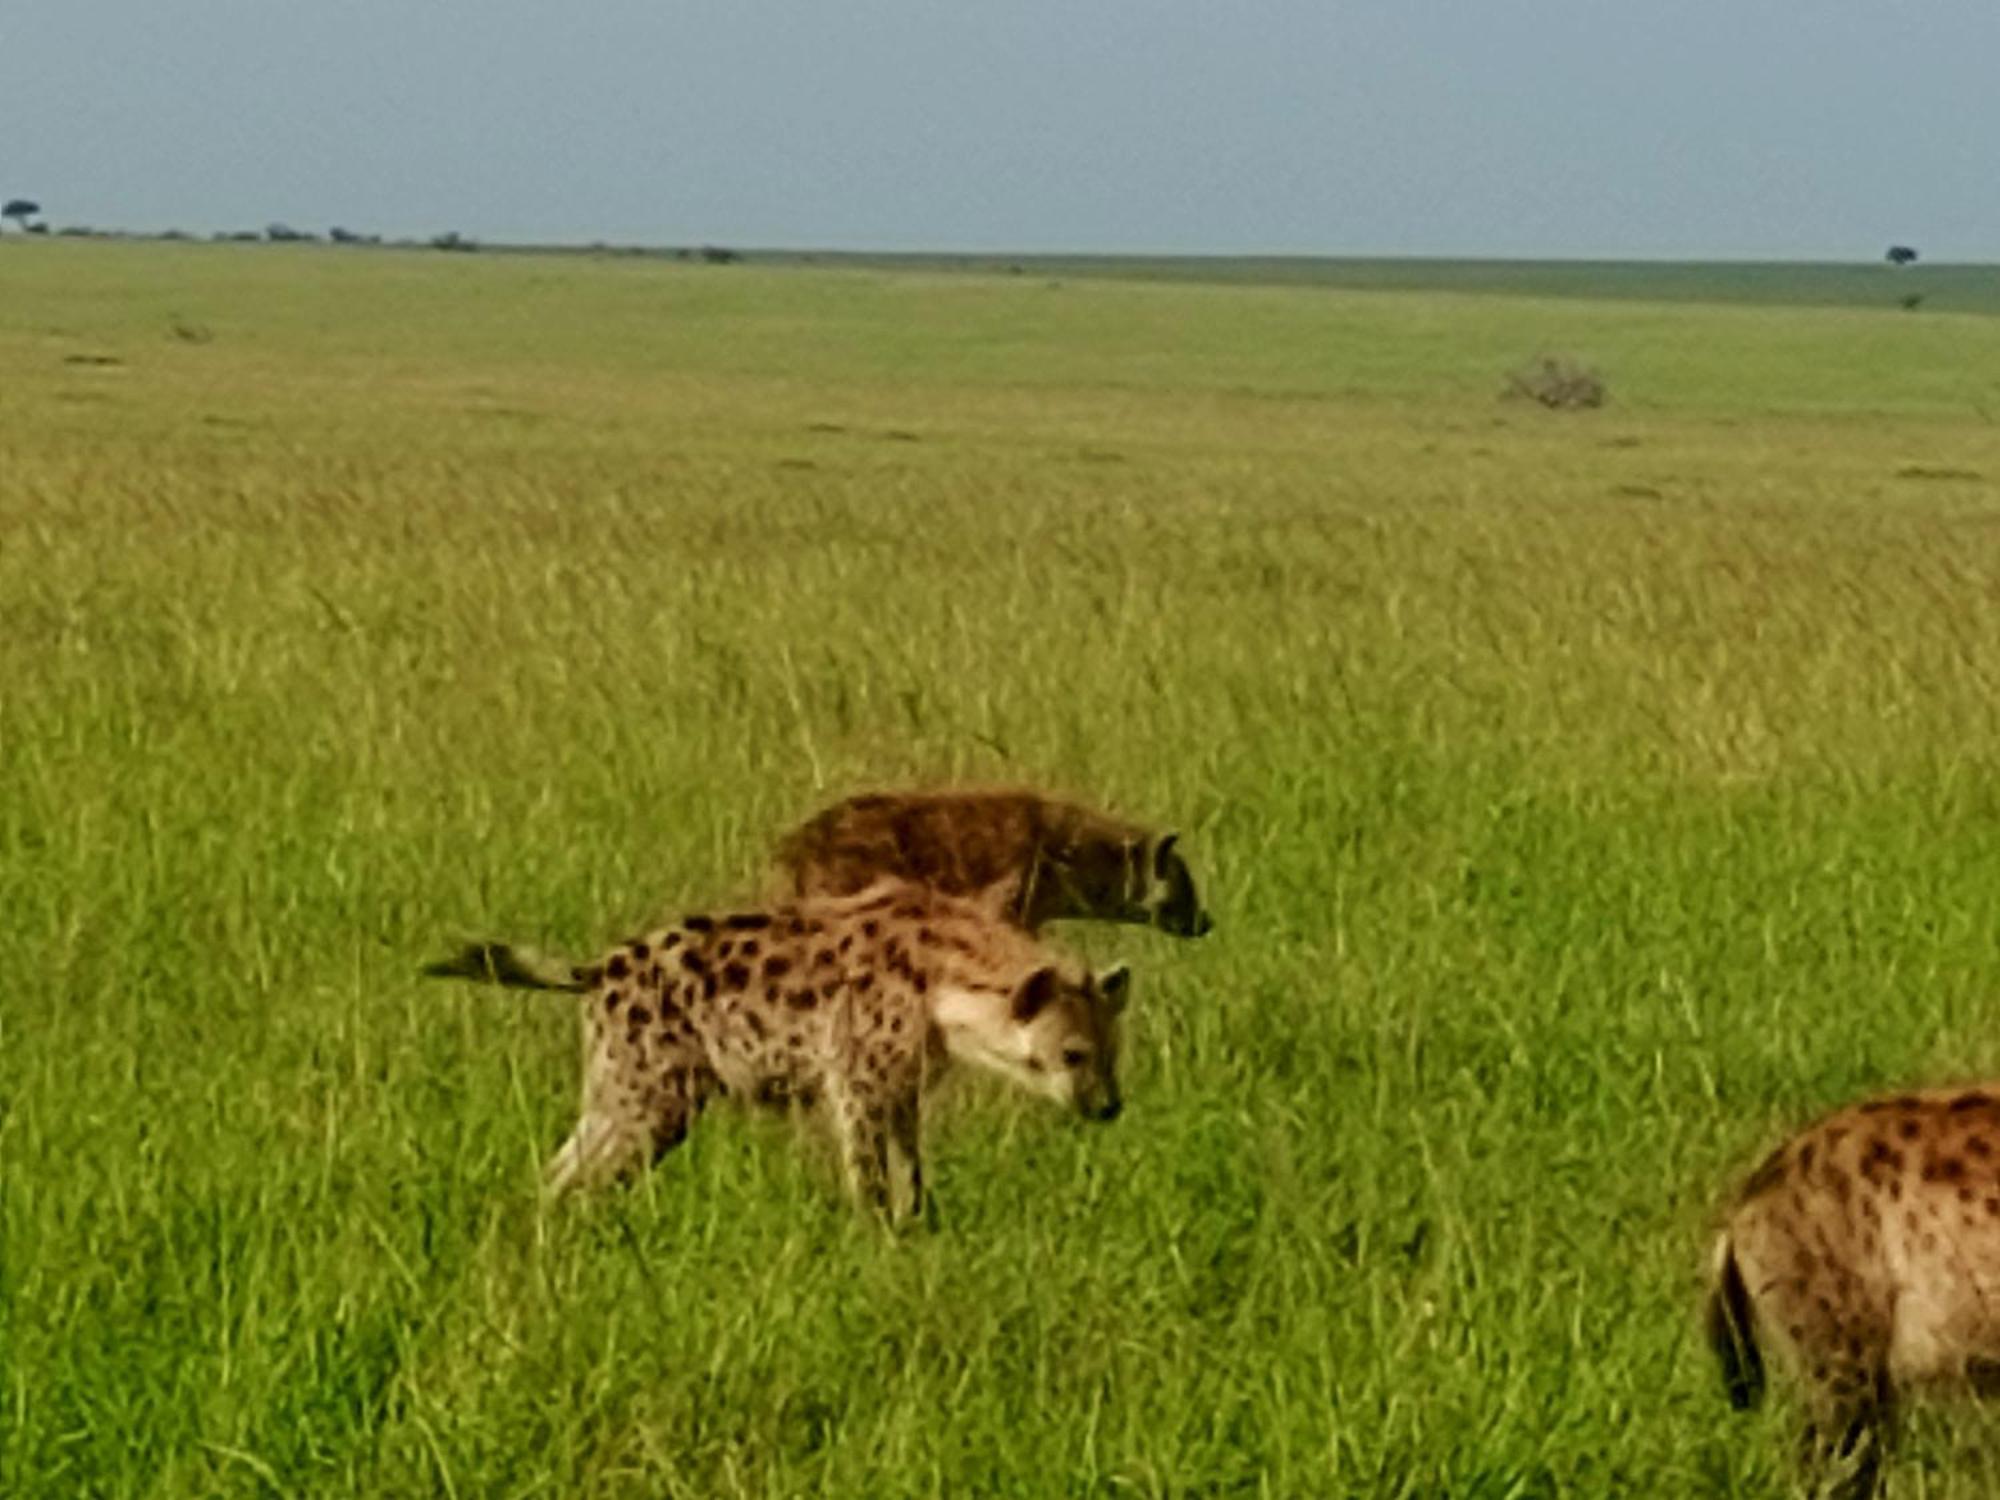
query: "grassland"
1930, 287
1584, 799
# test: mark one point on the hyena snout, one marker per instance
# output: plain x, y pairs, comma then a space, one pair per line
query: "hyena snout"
1097, 1097
1176, 907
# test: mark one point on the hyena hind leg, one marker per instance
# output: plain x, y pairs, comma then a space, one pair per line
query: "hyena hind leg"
600, 1150
610, 1144
1846, 1437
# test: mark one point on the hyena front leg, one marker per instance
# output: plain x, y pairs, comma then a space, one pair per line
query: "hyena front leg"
860, 1118
904, 1120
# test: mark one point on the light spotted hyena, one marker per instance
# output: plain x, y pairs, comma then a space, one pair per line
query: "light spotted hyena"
852, 1004
1032, 858
1865, 1254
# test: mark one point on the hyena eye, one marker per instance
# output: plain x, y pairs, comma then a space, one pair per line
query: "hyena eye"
1075, 1057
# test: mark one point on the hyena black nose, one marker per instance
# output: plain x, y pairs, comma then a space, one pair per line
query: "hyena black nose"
1109, 1110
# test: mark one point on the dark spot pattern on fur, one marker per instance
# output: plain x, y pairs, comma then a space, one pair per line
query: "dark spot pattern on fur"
1973, 1100
1880, 1157
693, 962
777, 966
617, 967
669, 940
613, 998
640, 951
736, 976
749, 921
638, 1015
802, 998
698, 923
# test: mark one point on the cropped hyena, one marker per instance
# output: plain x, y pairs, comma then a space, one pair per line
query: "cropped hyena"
852, 1004
1032, 858
1865, 1253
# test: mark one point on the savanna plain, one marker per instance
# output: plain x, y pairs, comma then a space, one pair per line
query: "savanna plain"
1584, 799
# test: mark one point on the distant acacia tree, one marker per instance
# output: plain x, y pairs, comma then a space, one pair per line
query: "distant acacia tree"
20, 210
1901, 255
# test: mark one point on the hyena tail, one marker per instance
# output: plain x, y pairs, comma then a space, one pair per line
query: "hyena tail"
1732, 1332
497, 963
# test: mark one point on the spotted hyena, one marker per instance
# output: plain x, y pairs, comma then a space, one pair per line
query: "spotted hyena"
1033, 858
1865, 1254
850, 1004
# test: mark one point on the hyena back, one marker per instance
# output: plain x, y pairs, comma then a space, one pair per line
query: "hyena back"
1864, 1255
1032, 858
851, 1004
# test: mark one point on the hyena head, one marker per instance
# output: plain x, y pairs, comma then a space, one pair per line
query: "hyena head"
1066, 1038
1144, 881
1053, 1033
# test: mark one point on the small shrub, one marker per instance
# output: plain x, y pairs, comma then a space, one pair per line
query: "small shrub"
1557, 382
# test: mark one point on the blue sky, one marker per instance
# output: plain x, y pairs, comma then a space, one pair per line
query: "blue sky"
1691, 128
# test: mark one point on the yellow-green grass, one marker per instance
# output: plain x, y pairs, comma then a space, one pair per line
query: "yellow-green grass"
1583, 799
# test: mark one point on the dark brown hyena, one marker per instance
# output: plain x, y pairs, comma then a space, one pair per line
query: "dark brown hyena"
1032, 858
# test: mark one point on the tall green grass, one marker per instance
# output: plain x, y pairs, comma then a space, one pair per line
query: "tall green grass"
1583, 801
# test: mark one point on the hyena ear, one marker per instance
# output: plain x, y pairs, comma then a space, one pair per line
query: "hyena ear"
1115, 985
1036, 991
1164, 857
